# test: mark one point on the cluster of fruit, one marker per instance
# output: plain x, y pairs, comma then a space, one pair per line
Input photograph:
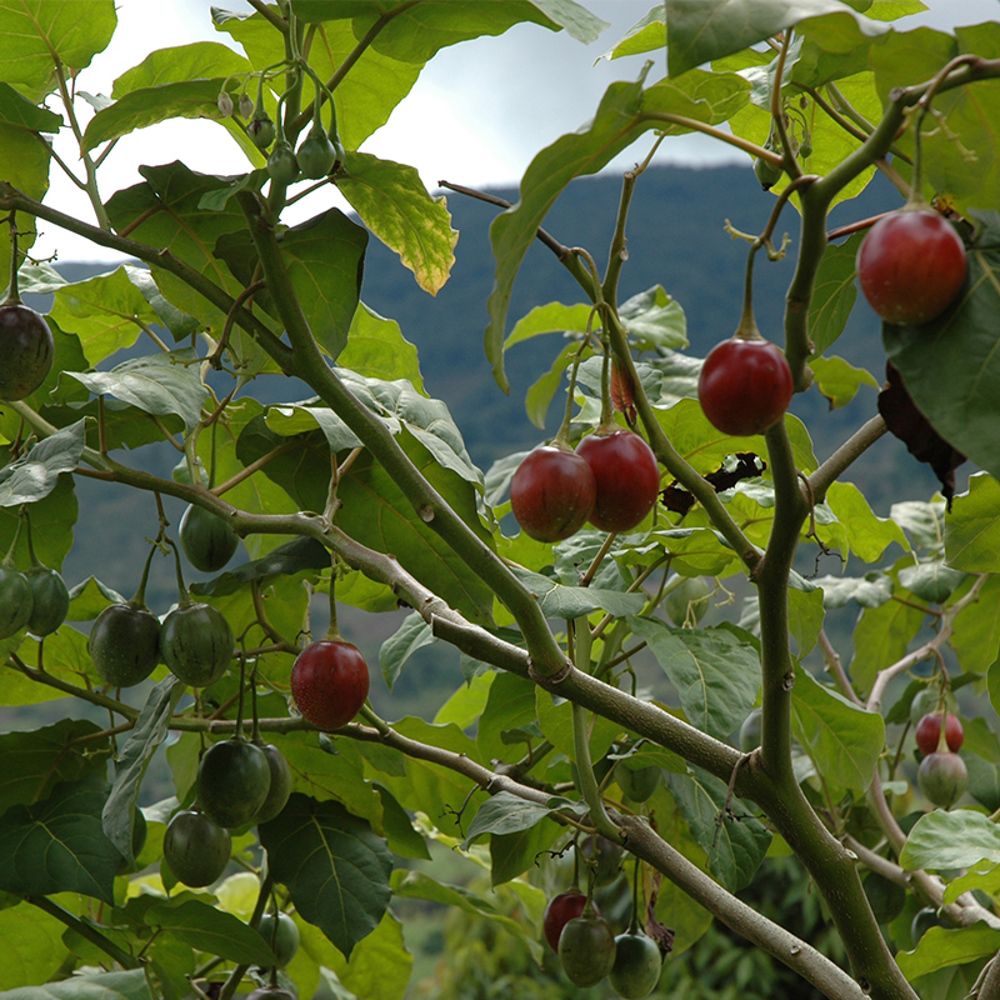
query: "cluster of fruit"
942, 774
611, 480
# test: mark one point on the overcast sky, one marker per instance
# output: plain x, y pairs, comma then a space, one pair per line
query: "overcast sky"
477, 115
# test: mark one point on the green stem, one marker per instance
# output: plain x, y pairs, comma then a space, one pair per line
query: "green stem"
308, 363
85, 930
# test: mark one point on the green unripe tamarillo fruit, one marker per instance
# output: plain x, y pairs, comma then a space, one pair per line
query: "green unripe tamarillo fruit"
234, 778
50, 600
688, 600
208, 540
282, 934
750, 731
316, 155
637, 967
587, 949
16, 601
26, 350
637, 784
281, 784
196, 849
125, 644
282, 167
196, 644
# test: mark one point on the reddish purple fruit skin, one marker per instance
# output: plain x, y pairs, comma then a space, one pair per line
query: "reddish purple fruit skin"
552, 494
559, 912
911, 266
329, 683
627, 479
745, 386
929, 733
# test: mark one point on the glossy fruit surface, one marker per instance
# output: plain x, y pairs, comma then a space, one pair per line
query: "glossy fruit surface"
233, 781
552, 493
626, 479
559, 911
316, 155
282, 167
281, 784
16, 601
196, 849
929, 733
637, 967
261, 131
587, 950
943, 778
26, 351
911, 266
637, 784
208, 540
196, 644
49, 600
745, 386
329, 683
282, 934
125, 644
688, 601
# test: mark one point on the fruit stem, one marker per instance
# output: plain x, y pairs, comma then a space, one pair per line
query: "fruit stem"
139, 600
13, 297
747, 330
333, 630
633, 925
8, 561
35, 561
607, 423
238, 731
561, 440
184, 597
255, 736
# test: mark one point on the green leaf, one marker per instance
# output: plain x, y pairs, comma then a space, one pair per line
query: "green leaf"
943, 840
839, 380
843, 740
559, 601
161, 384
58, 845
36, 475
33, 949
72, 31
869, 536
556, 721
648, 34
975, 635
149, 732
335, 868
950, 365
141, 108
392, 201
296, 556
34, 762
716, 676
834, 293
510, 705
941, 947
654, 320
211, 930
19, 112
972, 530
376, 348
551, 318
735, 844
512, 854
402, 838
702, 30
881, 637
129, 985
413, 634
506, 813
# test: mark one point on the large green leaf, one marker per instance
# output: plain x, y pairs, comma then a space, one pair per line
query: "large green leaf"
834, 293
58, 845
107, 312
34, 762
376, 348
130, 985
211, 930
36, 475
950, 366
702, 30
733, 838
716, 675
941, 947
335, 868
961, 838
507, 813
33, 948
881, 637
972, 531
392, 201
18, 111
165, 211
976, 633
415, 35
32, 32
843, 740
161, 384
150, 730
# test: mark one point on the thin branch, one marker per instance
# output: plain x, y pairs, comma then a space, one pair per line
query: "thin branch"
851, 450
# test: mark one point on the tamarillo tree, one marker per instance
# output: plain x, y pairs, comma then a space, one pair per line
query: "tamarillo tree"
365, 493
